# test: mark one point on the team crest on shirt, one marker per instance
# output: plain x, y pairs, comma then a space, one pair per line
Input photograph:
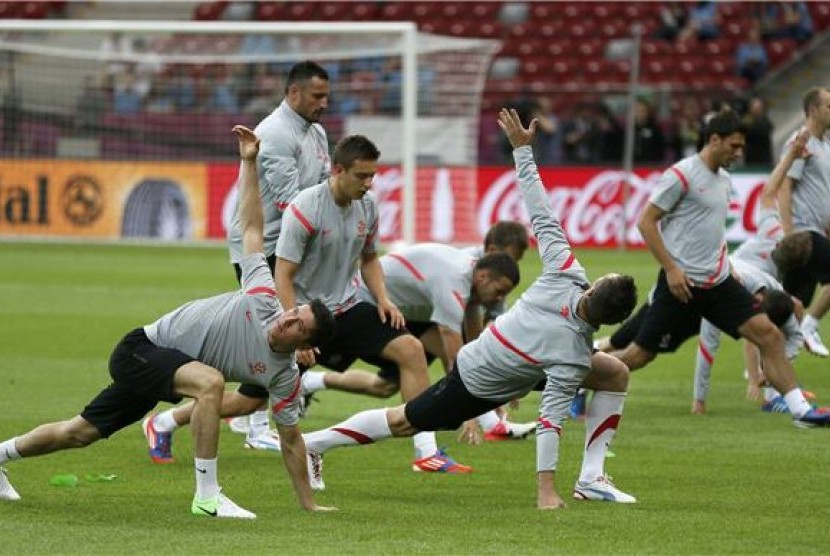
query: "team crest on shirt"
257, 368
565, 311
361, 227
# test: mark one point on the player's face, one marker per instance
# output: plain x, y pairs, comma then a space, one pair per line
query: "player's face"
356, 181
293, 328
311, 99
822, 111
730, 148
491, 291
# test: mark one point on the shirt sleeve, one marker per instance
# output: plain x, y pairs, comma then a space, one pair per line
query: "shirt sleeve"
298, 229
553, 245
797, 167
447, 306
284, 397
793, 339
371, 245
562, 384
258, 285
671, 187
279, 173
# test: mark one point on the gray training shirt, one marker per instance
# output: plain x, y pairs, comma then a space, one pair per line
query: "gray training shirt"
428, 282
327, 241
811, 191
695, 201
229, 332
293, 155
757, 250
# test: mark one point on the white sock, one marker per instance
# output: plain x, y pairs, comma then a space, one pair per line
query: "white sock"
770, 393
164, 422
601, 419
313, 381
425, 444
488, 420
809, 323
206, 484
8, 452
363, 428
258, 422
797, 403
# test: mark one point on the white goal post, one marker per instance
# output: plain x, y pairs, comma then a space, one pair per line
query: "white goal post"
44, 63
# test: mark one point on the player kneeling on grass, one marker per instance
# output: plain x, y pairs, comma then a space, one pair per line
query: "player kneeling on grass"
546, 334
242, 336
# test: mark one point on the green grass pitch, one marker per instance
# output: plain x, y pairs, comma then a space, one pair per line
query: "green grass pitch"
733, 481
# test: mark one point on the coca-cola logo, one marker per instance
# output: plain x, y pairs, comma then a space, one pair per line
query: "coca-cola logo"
590, 214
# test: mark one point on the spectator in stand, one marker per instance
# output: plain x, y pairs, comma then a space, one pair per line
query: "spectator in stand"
183, 89
758, 150
611, 136
703, 22
90, 106
224, 95
391, 85
147, 68
580, 135
672, 19
112, 50
649, 142
126, 98
786, 20
751, 59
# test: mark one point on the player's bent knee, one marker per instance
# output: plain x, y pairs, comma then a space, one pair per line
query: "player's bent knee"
79, 433
405, 351
399, 425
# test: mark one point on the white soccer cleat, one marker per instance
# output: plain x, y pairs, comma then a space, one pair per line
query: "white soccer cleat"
220, 506
506, 430
315, 470
239, 425
7, 491
266, 440
602, 489
813, 343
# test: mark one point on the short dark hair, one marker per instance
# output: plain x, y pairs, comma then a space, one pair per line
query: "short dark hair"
778, 305
792, 251
498, 265
723, 124
612, 300
304, 71
812, 99
353, 148
506, 233
323, 323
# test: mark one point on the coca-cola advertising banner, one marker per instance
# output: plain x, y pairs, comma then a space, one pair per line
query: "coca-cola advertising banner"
457, 205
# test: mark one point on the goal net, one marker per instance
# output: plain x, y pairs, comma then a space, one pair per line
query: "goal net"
122, 129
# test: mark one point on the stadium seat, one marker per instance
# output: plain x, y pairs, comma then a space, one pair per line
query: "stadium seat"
487, 30
10, 10
34, 10
550, 30
558, 47
780, 50
209, 11
651, 47
268, 11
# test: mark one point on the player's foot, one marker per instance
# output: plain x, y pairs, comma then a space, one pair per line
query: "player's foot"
239, 425
219, 506
577, 409
7, 491
813, 343
266, 440
603, 489
160, 443
816, 417
315, 470
776, 405
440, 462
505, 430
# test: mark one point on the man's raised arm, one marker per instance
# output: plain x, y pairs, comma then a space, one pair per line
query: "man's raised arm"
553, 245
251, 219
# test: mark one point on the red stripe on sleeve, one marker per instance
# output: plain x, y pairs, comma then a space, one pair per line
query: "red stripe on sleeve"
282, 206
303, 220
773, 231
262, 289
409, 266
567, 264
682, 178
510, 346
705, 353
458, 298
277, 407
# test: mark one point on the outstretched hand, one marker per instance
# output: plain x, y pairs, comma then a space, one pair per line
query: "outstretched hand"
248, 142
517, 134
